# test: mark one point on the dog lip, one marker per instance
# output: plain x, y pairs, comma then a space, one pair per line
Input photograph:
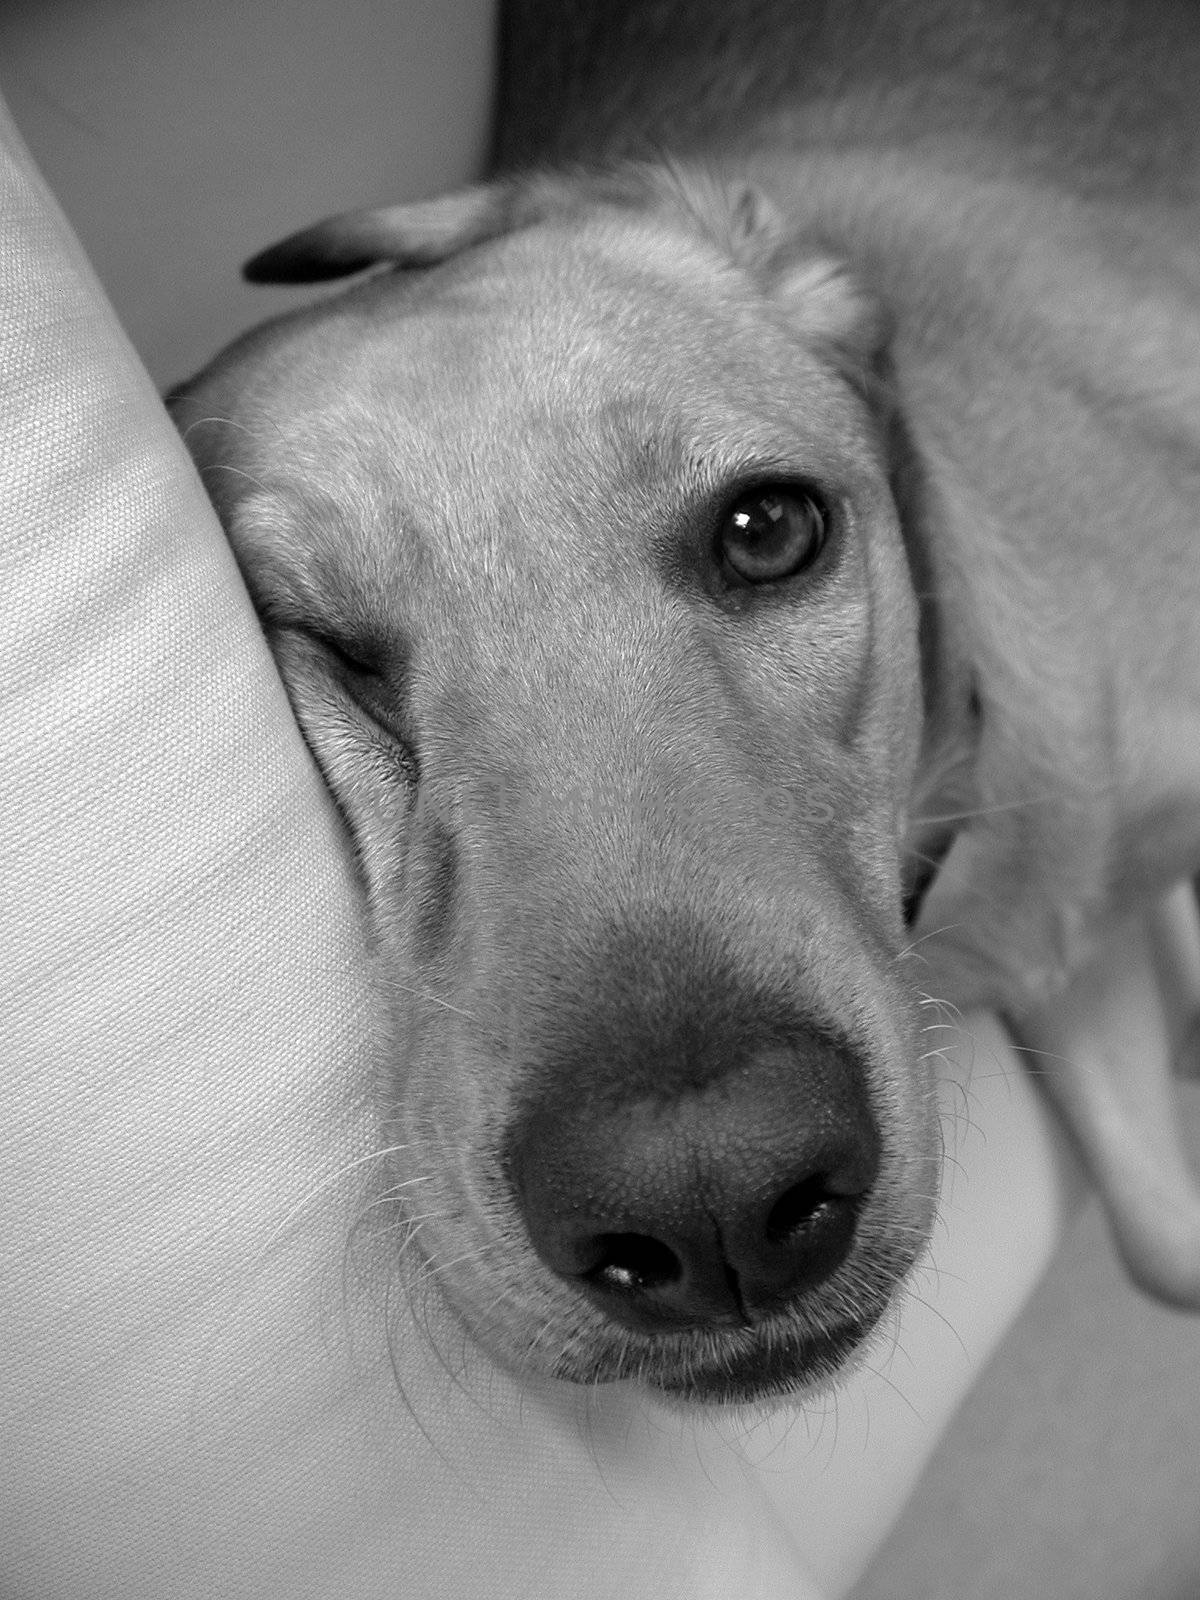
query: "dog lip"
785, 1369
754, 1373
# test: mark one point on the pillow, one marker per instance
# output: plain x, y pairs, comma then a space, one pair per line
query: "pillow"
205, 1385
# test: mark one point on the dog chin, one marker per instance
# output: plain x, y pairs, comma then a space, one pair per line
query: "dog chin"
758, 1369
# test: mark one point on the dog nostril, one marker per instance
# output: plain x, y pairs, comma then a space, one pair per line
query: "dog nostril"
632, 1262
796, 1208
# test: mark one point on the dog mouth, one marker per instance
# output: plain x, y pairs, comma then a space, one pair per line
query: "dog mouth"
924, 870
759, 1368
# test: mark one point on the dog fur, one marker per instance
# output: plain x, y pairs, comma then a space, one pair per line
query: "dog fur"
614, 806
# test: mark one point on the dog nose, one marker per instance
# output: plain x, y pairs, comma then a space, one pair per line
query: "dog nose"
708, 1208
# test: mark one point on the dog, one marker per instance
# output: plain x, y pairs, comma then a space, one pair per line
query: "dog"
736, 571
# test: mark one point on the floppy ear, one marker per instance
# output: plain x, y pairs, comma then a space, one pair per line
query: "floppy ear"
819, 292
739, 218
831, 306
419, 234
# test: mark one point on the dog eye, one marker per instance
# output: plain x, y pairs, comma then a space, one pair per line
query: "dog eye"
371, 677
772, 534
360, 660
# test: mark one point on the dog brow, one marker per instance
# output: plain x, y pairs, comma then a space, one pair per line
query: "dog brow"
291, 548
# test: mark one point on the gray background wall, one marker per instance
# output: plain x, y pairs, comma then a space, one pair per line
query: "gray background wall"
181, 138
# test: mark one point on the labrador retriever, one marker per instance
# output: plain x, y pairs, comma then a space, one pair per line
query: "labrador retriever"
736, 569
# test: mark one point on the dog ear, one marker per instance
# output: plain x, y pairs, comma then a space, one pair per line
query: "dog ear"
820, 293
419, 234
740, 219
829, 304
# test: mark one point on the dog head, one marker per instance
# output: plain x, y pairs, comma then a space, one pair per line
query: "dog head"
580, 554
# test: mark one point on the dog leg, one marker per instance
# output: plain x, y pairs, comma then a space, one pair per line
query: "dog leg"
1174, 930
1118, 1097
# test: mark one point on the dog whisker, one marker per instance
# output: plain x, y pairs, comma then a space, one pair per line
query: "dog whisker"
454, 1467
234, 472
942, 1004
915, 944
188, 429
936, 819
330, 1181
431, 999
935, 1310
422, 1298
